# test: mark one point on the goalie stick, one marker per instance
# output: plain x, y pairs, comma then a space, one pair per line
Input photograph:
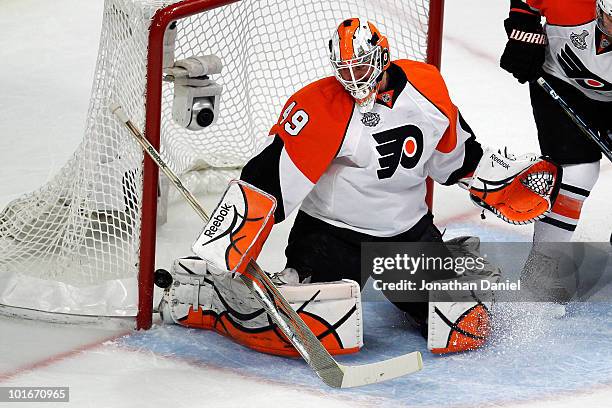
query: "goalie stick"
603, 141
289, 322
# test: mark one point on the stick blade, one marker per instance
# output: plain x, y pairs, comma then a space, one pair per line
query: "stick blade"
355, 376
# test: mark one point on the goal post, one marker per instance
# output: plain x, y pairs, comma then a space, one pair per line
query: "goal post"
435, 25
84, 245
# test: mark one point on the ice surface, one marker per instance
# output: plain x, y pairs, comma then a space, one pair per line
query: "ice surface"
531, 356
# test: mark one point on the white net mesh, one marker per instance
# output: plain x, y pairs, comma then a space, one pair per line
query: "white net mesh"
73, 245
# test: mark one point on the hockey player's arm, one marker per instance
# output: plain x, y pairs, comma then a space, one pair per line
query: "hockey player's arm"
274, 172
304, 142
458, 152
518, 190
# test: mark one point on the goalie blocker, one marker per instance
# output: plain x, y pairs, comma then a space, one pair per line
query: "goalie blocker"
237, 229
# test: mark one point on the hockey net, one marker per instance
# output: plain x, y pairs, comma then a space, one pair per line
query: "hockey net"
83, 245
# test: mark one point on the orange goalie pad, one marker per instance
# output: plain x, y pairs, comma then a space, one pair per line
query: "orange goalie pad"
258, 221
469, 332
524, 198
269, 340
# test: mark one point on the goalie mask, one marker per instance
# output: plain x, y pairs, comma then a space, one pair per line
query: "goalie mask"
604, 16
359, 55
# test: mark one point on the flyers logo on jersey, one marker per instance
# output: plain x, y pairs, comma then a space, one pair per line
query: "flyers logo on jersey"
575, 69
402, 145
386, 98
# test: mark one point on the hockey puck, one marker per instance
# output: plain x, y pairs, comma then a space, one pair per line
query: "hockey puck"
162, 278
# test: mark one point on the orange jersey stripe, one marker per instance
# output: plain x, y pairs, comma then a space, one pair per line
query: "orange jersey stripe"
567, 207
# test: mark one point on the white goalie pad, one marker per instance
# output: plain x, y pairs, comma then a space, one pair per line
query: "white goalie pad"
237, 229
201, 299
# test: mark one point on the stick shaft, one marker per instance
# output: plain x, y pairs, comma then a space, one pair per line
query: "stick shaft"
582, 125
147, 147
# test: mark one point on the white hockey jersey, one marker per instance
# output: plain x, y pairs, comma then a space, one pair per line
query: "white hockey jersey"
578, 52
366, 172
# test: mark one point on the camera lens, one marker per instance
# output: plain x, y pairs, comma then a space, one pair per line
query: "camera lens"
202, 114
205, 117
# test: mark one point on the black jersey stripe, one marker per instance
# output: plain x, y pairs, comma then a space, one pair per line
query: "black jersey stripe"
559, 224
575, 190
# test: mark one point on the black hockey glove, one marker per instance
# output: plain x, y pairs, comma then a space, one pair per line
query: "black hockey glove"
525, 50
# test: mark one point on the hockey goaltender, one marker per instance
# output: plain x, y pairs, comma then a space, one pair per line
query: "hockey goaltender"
352, 152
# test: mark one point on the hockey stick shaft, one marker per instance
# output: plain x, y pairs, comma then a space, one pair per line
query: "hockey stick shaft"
582, 125
283, 315
150, 150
